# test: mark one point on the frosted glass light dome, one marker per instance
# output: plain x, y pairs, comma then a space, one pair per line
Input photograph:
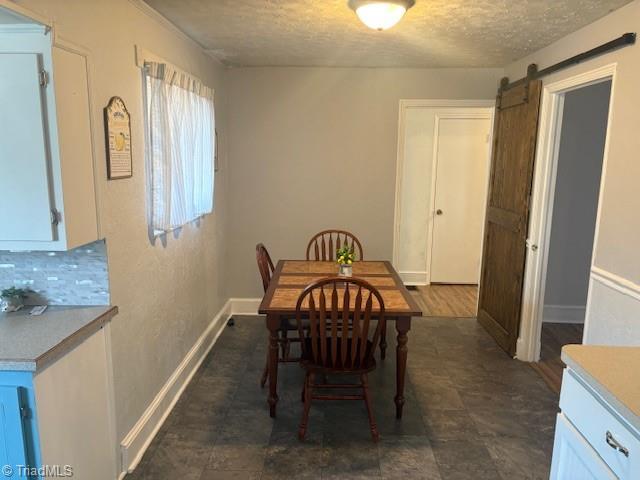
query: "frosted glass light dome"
380, 14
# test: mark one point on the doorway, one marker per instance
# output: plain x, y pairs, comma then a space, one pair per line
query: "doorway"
572, 156
574, 208
441, 188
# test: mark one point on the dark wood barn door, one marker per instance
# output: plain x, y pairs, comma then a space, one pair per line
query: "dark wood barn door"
515, 133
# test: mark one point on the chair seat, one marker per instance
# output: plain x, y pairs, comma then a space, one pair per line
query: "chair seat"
308, 362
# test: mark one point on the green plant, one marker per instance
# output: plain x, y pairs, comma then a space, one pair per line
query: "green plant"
13, 292
345, 255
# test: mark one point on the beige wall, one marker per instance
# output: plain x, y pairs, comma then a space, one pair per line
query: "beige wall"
314, 148
614, 305
309, 148
167, 294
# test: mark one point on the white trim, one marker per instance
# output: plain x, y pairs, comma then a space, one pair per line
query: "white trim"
528, 346
616, 282
563, 314
245, 306
136, 442
412, 103
405, 104
414, 278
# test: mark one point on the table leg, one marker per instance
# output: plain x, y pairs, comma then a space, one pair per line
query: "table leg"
273, 324
403, 325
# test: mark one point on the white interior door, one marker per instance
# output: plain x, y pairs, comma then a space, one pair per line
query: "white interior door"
25, 211
459, 198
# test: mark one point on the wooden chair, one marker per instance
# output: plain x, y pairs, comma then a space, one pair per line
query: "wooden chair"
324, 245
265, 265
338, 340
266, 268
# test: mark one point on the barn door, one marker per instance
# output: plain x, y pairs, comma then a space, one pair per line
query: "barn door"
515, 133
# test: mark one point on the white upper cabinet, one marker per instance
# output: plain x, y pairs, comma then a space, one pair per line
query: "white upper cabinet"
46, 153
23, 151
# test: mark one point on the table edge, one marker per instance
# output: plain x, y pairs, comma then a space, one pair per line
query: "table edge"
414, 309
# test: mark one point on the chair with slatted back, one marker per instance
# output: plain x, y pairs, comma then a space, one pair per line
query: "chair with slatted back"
341, 339
265, 265
324, 245
266, 268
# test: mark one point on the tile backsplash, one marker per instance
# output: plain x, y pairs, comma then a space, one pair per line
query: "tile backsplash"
76, 277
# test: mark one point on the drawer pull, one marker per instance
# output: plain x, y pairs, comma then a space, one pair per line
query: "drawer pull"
613, 443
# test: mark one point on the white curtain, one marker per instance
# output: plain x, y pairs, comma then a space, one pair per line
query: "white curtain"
180, 147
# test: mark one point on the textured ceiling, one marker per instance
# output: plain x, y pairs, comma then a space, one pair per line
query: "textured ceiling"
434, 33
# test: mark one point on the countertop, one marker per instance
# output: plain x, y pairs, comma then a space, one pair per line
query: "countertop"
29, 343
613, 372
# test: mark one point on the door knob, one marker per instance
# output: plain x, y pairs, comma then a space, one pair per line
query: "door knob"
438, 212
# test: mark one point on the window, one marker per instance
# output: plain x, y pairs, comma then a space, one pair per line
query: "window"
180, 147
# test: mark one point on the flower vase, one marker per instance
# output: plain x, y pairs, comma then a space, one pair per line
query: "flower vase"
346, 270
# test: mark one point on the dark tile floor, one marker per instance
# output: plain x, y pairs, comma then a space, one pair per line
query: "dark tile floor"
471, 413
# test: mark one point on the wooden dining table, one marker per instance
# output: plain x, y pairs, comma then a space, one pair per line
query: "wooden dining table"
289, 279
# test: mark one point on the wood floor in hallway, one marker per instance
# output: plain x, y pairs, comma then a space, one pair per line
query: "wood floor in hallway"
554, 337
440, 300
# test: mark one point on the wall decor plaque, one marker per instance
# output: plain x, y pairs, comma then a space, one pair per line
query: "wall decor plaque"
117, 124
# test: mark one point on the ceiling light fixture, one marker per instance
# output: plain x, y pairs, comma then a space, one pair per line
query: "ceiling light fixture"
380, 14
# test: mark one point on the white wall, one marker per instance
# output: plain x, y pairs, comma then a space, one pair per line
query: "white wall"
167, 294
314, 148
616, 255
575, 205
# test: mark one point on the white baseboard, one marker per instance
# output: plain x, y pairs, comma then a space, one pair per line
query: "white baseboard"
138, 439
414, 278
563, 314
245, 306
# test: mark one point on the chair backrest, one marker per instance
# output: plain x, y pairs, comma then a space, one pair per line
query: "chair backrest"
265, 265
339, 312
324, 245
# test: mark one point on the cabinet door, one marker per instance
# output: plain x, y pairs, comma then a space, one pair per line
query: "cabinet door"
574, 458
76, 152
25, 206
13, 450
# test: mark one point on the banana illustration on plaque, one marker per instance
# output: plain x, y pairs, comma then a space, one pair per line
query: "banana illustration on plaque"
120, 141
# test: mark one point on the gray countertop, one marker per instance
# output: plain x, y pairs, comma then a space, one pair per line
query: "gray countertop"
29, 343
612, 372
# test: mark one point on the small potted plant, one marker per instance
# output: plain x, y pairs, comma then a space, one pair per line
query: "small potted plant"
13, 298
345, 257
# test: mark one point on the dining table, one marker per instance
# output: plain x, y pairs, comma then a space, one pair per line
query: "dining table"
291, 277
